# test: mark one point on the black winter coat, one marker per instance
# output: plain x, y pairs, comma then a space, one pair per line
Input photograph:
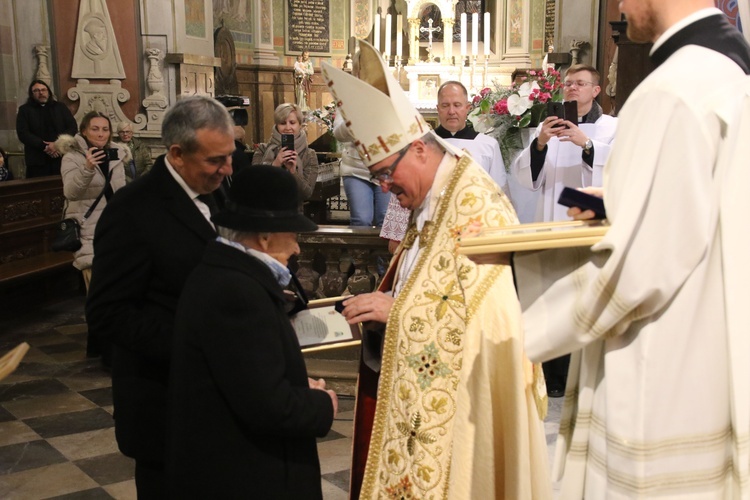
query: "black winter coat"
243, 419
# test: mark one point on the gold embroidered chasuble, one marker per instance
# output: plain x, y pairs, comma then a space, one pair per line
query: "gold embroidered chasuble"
458, 403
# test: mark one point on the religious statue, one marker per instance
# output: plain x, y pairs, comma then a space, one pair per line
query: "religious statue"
303, 72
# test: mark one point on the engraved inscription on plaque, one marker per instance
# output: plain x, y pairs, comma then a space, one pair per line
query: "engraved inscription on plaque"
308, 27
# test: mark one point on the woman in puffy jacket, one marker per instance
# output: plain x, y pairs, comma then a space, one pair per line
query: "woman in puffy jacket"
87, 160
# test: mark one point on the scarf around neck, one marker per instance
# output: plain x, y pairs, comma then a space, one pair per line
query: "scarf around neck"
300, 144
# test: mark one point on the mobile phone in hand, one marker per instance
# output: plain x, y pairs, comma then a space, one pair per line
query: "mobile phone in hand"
287, 141
574, 198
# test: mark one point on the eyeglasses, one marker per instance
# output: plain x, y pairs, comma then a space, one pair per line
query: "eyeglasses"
577, 83
386, 174
39, 91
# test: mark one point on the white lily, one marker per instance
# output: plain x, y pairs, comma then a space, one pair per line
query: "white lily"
519, 103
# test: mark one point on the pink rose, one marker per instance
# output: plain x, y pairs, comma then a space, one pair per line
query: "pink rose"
501, 107
477, 99
485, 91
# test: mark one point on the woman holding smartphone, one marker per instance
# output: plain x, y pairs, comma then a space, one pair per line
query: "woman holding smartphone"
88, 160
288, 149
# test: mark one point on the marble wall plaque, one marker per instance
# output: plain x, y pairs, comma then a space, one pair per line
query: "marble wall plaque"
308, 27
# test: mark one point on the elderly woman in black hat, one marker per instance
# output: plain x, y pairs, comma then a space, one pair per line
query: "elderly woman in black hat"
244, 415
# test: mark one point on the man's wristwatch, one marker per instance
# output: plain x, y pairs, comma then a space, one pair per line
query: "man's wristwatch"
588, 146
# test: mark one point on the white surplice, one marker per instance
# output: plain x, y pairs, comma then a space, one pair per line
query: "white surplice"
658, 394
564, 167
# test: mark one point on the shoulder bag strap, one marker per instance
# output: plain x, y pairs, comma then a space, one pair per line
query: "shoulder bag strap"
96, 201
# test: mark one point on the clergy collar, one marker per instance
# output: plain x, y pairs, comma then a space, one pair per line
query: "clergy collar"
709, 29
465, 133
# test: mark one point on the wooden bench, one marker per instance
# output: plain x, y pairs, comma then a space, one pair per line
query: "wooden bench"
31, 267
29, 270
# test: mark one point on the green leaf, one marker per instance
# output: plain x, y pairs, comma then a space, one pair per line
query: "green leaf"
484, 106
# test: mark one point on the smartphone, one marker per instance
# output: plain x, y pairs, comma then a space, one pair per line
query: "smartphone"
567, 110
555, 109
574, 198
109, 153
287, 141
571, 111
339, 306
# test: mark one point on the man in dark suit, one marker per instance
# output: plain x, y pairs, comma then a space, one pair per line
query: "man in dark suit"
39, 123
243, 414
147, 241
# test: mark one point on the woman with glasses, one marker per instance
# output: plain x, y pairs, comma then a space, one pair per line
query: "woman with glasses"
141, 157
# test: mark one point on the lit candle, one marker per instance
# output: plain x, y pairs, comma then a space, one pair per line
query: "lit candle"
387, 35
463, 34
474, 34
486, 33
399, 35
376, 38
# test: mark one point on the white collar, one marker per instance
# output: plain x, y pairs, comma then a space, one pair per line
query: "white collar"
685, 21
177, 177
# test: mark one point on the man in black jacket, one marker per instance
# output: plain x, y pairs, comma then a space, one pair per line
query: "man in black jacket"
147, 241
243, 415
39, 123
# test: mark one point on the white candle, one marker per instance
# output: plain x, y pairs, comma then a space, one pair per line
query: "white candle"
399, 35
486, 33
474, 34
387, 35
376, 38
463, 34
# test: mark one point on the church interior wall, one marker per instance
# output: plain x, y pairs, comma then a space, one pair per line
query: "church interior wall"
124, 23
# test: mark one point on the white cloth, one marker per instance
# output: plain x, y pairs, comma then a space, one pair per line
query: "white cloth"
648, 409
486, 151
564, 167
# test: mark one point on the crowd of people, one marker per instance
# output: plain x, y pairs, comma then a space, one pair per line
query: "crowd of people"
186, 266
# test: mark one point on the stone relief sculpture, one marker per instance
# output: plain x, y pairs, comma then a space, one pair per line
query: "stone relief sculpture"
96, 54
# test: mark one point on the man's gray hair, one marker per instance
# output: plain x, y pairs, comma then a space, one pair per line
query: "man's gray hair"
190, 114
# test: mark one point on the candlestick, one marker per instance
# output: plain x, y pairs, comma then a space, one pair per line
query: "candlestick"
387, 50
486, 33
463, 37
474, 34
376, 38
399, 36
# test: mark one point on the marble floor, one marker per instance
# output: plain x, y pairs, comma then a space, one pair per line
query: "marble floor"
56, 428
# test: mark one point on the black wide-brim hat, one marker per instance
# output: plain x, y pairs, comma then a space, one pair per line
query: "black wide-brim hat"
264, 199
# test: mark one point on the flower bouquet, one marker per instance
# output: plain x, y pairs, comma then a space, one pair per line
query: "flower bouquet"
324, 116
504, 111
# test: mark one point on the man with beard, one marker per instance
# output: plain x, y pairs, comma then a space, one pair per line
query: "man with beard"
39, 123
658, 394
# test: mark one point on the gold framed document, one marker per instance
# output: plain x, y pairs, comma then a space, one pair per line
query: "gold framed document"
536, 236
321, 327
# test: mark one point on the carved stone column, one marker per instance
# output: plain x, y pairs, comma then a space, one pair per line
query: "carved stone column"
448, 40
413, 40
156, 103
361, 281
42, 70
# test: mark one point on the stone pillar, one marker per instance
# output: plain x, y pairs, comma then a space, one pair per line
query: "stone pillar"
448, 40
413, 40
264, 52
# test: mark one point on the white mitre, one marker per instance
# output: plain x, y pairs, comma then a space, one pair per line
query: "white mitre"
376, 109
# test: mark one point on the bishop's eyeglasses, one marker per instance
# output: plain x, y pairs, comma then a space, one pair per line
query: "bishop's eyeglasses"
386, 175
